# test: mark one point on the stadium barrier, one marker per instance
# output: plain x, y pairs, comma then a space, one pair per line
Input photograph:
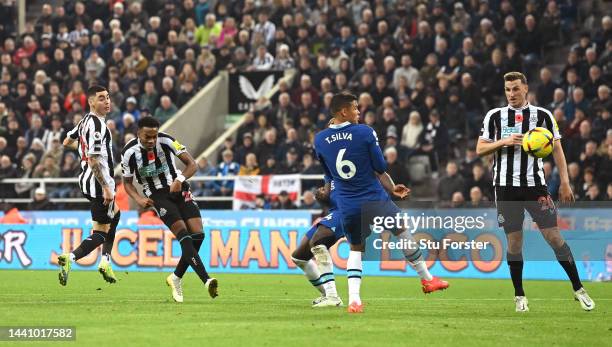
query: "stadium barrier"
262, 242
43, 182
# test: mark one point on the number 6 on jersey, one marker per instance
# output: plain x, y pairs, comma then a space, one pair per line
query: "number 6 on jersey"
340, 164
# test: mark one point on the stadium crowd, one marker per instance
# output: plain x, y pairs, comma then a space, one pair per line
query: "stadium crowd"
425, 73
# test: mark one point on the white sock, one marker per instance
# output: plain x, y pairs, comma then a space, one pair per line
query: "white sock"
175, 277
311, 271
353, 272
72, 256
415, 257
106, 258
420, 267
326, 268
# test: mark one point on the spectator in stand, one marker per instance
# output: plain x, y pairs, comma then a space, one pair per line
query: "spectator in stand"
451, 183
227, 167
41, 202
395, 168
250, 167
309, 202
283, 202
165, 110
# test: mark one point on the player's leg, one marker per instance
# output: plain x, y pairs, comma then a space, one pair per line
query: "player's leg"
543, 211
354, 272
566, 259
105, 268
101, 226
319, 246
510, 216
302, 257
415, 259
168, 207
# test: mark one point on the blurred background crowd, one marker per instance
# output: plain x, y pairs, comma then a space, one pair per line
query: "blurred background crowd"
425, 73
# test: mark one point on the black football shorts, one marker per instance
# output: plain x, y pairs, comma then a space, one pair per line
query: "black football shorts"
512, 202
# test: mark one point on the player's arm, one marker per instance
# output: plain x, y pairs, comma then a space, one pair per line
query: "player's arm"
130, 189
565, 190
397, 190
484, 147
70, 143
95, 165
71, 140
190, 170
128, 182
487, 143
377, 159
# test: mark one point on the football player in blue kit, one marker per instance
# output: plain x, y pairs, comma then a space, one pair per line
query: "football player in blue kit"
351, 156
328, 231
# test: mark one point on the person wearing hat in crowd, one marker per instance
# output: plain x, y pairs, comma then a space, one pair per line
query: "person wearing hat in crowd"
291, 164
283, 202
41, 202
248, 146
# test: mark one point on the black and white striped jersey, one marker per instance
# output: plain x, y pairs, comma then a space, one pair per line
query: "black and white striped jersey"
153, 169
512, 166
94, 139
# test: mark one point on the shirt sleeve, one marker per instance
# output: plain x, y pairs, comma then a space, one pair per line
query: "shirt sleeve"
126, 169
551, 124
376, 155
74, 133
487, 132
322, 161
97, 130
176, 147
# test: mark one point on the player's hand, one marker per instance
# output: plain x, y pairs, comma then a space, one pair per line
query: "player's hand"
108, 195
514, 140
145, 203
565, 193
401, 191
176, 186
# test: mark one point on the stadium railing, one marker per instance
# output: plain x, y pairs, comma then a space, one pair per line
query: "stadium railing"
43, 182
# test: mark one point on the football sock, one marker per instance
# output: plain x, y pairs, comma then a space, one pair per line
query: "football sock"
354, 268
566, 259
89, 244
326, 268
515, 263
414, 256
182, 265
312, 273
190, 255
107, 246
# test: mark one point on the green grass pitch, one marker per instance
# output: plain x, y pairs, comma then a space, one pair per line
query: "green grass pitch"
274, 310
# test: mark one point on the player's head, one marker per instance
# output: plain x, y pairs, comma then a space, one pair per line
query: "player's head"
322, 195
148, 128
516, 88
99, 100
344, 108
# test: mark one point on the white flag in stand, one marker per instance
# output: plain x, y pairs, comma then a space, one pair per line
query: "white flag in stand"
246, 189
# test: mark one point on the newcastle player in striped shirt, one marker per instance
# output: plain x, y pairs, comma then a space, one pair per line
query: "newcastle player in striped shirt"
94, 144
150, 157
520, 185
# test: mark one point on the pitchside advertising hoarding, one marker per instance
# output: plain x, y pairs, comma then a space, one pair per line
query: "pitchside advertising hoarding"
262, 242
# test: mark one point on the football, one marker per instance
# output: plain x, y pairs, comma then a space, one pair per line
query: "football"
538, 142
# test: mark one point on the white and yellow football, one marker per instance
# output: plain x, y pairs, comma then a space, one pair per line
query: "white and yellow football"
538, 142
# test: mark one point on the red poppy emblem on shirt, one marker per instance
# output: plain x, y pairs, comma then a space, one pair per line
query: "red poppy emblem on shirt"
518, 118
151, 156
